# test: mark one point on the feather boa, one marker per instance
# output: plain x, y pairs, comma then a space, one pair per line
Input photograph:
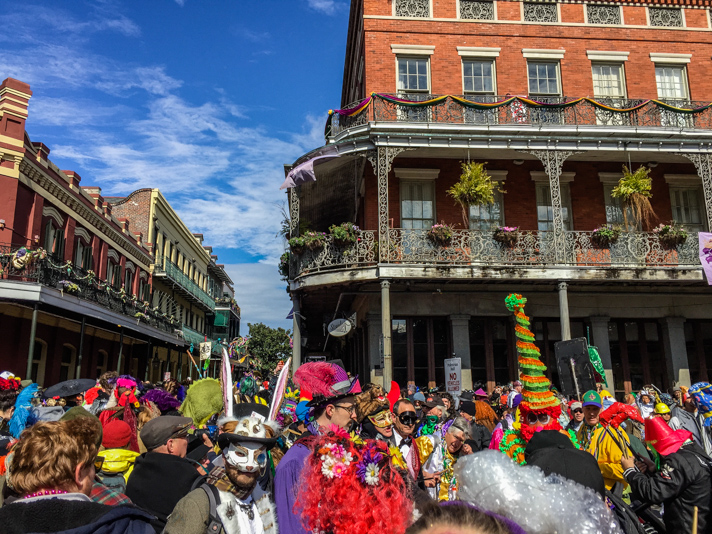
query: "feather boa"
21, 418
162, 399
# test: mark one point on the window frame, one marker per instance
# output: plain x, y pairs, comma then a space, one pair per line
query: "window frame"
557, 63
416, 56
479, 59
407, 182
686, 81
621, 70
541, 180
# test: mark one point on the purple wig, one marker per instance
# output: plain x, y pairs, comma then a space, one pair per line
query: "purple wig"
163, 400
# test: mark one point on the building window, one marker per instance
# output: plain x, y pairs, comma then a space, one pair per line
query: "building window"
413, 75
687, 208
66, 369
478, 76
39, 362
614, 210
540, 12
543, 78
476, 10
603, 14
671, 81
420, 345
54, 240
417, 204
83, 257
102, 362
489, 216
545, 211
412, 8
113, 274
608, 80
665, 16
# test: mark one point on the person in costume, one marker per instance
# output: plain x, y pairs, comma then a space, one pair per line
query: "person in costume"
9, 390
350, 487
241, 505
438, 453
71, 391
606, 444
663, 411
373, 413
404, 421
701, 395
539, 409
332, 404
682, 483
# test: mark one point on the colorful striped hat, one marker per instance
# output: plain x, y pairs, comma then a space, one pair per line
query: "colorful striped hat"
535, 384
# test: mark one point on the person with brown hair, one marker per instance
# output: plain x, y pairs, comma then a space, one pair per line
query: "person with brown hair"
52, 468
461, 518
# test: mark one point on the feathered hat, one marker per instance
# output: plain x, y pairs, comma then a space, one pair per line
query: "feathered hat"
323, 381
535, 385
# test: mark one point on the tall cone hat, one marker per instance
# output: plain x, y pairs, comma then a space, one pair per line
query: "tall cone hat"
535, 385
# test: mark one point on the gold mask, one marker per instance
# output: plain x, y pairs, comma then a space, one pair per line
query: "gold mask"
381, 419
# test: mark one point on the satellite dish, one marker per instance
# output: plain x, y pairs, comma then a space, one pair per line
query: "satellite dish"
339, 327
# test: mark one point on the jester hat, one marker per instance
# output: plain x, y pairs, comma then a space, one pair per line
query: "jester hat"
535, 385
701, 394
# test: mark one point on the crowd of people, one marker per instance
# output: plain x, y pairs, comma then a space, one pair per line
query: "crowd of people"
320, 452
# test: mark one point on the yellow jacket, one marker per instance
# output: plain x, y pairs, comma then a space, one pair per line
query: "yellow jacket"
607, 452
118, 461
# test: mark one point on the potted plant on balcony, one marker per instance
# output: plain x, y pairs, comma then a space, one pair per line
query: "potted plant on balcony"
284, 266
297, 245
344, 234
670, 235
605, 235
506, 235
314, 240
440, 235
474, 188
633, 190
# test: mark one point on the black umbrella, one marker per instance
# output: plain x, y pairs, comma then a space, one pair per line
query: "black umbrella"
69, 388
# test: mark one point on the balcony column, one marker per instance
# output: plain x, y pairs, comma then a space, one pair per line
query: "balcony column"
599, 328
553, 161
293, 211
703, 164
564, 311
460, 325
375, 360
297, 335
381, 159
386, 333
676, 350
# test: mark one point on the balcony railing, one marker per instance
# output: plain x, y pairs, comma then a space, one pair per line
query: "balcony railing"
475, 247
493, 110
48, 271
172, 271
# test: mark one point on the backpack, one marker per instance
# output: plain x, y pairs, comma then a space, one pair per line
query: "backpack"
214, 521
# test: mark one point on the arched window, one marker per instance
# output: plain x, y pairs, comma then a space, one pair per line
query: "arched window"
54, 239
39, 362
68, 364
82, 249
102, 362
128, 282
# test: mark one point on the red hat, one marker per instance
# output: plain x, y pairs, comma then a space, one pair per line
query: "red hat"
663, 439
117, 434
91, 395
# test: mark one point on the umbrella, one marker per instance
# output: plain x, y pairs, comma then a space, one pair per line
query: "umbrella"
69, 388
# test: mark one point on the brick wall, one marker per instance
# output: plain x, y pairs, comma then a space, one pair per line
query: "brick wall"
137, 209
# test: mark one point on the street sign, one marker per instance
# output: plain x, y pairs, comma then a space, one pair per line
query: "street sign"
453, 376
339, 327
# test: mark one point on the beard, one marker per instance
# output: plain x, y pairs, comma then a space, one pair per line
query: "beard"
243, 482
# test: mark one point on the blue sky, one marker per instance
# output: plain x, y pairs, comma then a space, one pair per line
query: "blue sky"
204, 99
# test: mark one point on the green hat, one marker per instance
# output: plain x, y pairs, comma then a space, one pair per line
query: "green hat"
591, 398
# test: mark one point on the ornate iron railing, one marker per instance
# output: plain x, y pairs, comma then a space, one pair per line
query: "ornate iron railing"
475, 247
620, 112
331, 256
174, 272
83, 284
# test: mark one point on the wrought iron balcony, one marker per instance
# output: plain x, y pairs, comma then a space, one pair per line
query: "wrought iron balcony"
83, 284
493, 110
478, 248
182, 282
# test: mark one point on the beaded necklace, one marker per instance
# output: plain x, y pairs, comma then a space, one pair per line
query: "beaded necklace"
40, 493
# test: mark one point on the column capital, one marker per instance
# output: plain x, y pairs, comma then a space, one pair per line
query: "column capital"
562, 286
385, 284
459, 319
673, 322
599, 320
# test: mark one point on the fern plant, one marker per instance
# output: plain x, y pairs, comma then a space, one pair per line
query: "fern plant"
475, 188
633, 190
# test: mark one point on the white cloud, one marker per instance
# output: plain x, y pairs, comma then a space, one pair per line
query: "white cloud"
327, 7
181, 3
261, 295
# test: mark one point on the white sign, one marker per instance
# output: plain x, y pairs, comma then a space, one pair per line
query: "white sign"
206, 348
453, 376
339, 327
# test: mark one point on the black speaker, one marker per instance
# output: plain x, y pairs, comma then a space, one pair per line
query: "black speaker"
572, 361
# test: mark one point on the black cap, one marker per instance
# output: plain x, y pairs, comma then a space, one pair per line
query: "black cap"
159, 430
469, 407
546, 439
571, 463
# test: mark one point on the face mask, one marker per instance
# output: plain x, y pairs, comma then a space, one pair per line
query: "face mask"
248, 457
381, 420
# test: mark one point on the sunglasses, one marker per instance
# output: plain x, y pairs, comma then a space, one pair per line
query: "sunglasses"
407, 418
578, 411
542, 418
98, 463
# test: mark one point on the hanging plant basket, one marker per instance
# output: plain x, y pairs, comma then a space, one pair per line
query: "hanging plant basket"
506, 236
440, 235
670, 235
297, 245
314, 240
605, 236
344, 234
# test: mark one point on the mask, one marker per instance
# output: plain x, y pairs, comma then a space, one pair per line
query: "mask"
381, 419
248, 457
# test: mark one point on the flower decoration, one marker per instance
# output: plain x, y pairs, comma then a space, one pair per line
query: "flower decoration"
335, 460
368, 469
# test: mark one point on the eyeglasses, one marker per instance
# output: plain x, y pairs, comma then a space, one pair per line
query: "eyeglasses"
349, 409
407, 418
98, 463
578, 411
542, 418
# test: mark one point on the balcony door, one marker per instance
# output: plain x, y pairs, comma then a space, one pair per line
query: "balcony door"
420, 345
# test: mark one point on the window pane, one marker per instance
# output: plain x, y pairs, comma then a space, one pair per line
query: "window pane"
417, 206
479, 76
607, 81
543, 78
412, 74
671, 82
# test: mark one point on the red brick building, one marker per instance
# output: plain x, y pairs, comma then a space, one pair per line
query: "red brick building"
429, 84
76, 291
